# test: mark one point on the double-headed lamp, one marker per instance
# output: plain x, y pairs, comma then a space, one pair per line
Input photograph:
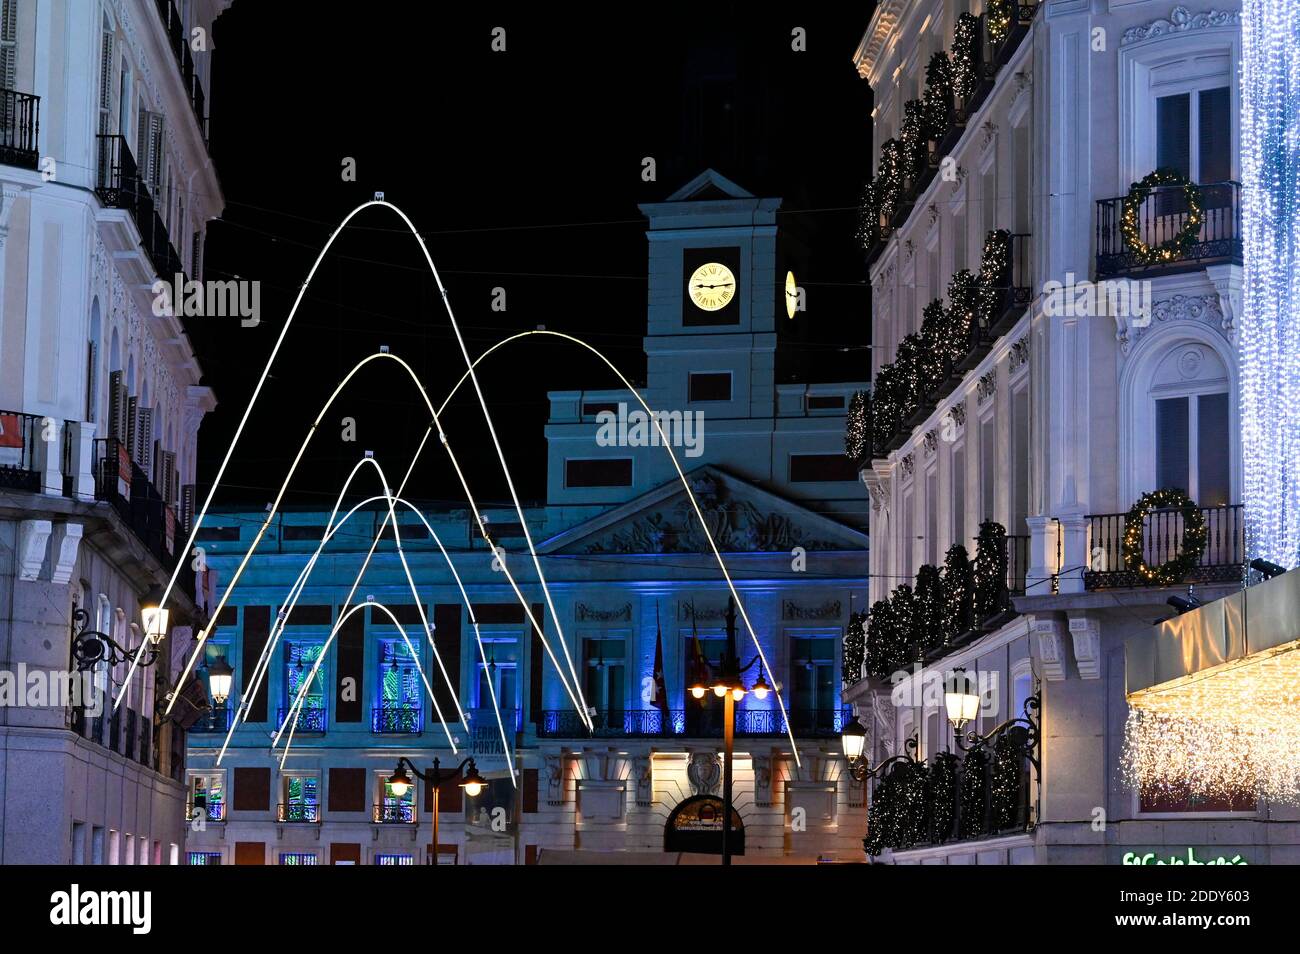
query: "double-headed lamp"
220, 676
854, 738
153, 614
960, 699
760, 687
472, 781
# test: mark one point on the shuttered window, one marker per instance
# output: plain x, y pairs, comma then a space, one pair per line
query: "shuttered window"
9, 43
1172, 444
1192, 442
1173, 133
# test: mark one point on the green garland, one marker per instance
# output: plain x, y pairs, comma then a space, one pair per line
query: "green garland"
929, 607
868, 233
942, 792
999, 14
937, 99
995, 274
912, 141
963, 312
965, 56
991, 570
1173, 248
973, 817
879, 644
958, 593
1008, 772
857, 427
889, 181
855, 641
1194, 537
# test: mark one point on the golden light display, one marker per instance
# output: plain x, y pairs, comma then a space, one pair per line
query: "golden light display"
1223, 731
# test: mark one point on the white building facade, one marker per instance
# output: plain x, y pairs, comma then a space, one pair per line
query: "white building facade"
1095, 363
631, 576
107, 188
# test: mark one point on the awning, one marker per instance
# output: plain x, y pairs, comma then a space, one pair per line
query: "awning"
1214, 697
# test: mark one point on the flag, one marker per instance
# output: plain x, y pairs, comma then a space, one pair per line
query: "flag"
700, 674
660, 700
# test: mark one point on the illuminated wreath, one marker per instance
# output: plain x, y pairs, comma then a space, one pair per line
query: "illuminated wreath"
1173, 248
1174, 570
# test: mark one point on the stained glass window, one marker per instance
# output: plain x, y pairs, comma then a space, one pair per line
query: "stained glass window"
298, 858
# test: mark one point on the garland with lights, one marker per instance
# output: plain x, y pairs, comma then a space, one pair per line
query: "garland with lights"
913, 138
910, 806
886, 409
958, 593
936, 101
999, 15
1176, 569
1172, 248
889, 181
990, 570
1008, 779
855, 643
995, 275
942, 792
965, 56
879, 640
868, 233
929, 608
972, 812
963, 314
857, 427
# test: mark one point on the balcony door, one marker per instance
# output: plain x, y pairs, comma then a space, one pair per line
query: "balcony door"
814, 690
1193, 136
500, 676
604, 677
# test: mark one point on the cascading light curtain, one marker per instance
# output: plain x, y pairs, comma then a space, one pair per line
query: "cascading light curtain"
1269, 332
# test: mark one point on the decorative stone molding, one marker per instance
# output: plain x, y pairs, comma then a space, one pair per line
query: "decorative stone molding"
583, 613
33, 535
879, 491
1206, 309
704, 772
1019, 354
990, 130
987, 387
1085, 634
884, 715
1227, 285
1180, 21
1024, 81
907, 465
930, 442
762, 780
687, 613
958, 413
884, 22
932, 210
66, 540
828, 610
1049, 636
909, 250
554, 765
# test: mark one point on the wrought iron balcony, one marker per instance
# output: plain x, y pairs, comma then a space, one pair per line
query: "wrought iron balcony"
120, 186
397, 719
215, 811
20, 120
311, 720
695, 721
122, 482
178, 40
394, 813
130, 732
1017, 563
306, 812
214, 720
1161, 217
18, 436
1221, 561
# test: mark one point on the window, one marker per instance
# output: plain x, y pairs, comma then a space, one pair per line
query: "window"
606, 472
603, 666
301, 799
826, 402
500, 675
932, 516
299, 658
203, 857
1020, 462
814, 688
395, 809
1194, 134
1180, 799
820, 468
958, 495
709, 386
208, 796
988, 466
1191, 443
398, 691
298, 858
394, 859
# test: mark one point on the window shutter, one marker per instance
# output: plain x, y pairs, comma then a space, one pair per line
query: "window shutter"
9, 43
1172, 444
1214, 130
252, 789
530, 785
351, 661
347, 790
536, 661
257, 628
144, 438
92, 379
106, 84
1173, 133
446, 637
187, 507
116, 405
132, 406
196, 257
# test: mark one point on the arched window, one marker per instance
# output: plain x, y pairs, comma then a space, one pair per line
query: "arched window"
1190, 411
92, 363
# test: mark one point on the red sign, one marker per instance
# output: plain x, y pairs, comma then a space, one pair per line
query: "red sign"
11, 431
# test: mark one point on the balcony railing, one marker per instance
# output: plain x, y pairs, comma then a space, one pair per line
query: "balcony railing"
1017, 563
394, 813
214, 720
215, 811
178, 40
122, 482
18, 436
20, 120
697, 721
1161, 217
130, 733
313, 720
397, 719
120, 186
1221, 560
297, 812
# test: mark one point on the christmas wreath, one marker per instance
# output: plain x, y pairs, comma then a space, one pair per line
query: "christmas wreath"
1176, 569
1172, 248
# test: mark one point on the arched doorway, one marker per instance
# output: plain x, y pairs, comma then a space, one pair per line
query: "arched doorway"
695, 825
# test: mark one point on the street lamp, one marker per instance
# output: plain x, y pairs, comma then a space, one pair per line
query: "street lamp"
220, 676
470, 780
962, 703
154, 614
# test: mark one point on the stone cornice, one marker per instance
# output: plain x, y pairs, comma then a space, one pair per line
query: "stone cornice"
883, 23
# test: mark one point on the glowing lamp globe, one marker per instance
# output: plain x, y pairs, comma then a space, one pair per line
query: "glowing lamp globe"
220, 676
399, 782
854, 738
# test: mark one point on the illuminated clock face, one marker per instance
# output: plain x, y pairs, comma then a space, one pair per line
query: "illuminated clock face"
791, 295
712, 286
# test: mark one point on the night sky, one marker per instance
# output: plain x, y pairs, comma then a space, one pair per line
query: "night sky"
522, 170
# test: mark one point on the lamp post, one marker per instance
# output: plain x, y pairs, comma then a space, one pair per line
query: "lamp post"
729, 685
470, 780
90, 648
